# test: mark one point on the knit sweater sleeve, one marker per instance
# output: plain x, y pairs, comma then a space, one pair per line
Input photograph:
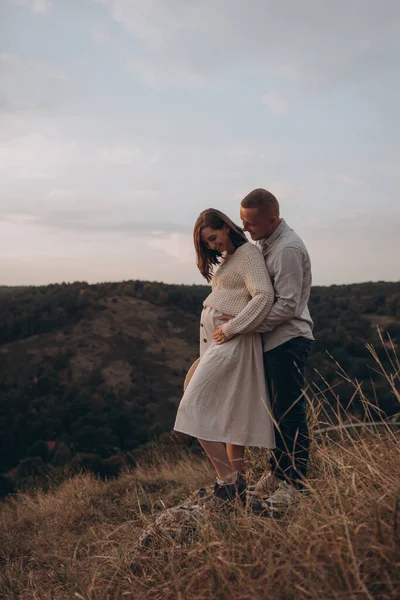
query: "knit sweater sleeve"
259, 286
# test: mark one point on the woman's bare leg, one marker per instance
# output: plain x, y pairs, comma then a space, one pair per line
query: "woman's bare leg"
216, 452
236, 456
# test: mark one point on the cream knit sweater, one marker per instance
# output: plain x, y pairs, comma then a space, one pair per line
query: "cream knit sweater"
242, 288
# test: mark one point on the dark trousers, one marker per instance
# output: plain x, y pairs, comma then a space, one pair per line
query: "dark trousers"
284, 370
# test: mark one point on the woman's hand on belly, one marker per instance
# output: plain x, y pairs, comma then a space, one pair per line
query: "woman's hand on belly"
219, 336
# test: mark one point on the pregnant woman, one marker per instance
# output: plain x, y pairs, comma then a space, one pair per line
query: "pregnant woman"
226, 405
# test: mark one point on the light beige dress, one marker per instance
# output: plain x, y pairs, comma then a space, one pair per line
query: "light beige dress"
226, 399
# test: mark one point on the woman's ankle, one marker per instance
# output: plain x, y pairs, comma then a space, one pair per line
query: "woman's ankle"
229, 479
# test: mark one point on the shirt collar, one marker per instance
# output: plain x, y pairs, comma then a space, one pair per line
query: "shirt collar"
266, 243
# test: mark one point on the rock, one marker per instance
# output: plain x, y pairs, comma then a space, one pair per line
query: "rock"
180, 523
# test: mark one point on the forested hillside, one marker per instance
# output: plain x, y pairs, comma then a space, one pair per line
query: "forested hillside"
90, 371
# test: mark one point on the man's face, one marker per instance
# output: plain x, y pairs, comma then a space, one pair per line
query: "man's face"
258, 225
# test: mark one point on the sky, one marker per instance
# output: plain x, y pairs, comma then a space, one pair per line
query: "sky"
121, 120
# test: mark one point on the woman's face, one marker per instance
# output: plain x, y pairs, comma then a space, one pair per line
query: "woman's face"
216, 239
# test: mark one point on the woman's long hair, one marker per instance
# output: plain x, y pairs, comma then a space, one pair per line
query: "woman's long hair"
207, 258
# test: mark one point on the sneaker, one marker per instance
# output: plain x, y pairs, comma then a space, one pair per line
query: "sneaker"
285, 496
223, 495
229, 492
258, 507
267, 485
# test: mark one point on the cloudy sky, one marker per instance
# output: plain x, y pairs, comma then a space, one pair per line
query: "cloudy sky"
120, 120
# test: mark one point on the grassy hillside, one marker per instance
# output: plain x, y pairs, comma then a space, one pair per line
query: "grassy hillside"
125, 537
96, 540
88, 372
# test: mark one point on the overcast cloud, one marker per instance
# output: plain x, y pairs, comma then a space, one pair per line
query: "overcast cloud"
121, 120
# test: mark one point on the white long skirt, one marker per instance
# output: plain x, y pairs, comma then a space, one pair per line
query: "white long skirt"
227, 399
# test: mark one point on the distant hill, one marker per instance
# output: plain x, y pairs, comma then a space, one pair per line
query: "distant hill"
7, 289
89, 371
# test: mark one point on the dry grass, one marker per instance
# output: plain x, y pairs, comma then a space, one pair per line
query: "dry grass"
341, 542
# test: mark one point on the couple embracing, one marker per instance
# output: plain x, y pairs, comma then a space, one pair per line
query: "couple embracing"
255, 338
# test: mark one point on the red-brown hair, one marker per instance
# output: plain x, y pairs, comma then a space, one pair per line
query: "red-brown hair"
215, 219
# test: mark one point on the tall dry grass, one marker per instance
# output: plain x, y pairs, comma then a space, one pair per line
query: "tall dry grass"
341, 542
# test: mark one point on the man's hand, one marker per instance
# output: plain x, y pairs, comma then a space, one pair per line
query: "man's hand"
219, 336
225, 318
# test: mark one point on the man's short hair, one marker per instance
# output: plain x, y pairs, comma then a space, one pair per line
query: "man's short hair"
263, 200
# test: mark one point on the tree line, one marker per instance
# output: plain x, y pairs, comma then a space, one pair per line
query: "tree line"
49, 420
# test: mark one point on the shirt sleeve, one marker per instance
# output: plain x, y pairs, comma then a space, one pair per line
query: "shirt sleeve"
288, 284
259, 285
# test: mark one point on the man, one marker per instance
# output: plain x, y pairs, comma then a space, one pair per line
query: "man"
287, 340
